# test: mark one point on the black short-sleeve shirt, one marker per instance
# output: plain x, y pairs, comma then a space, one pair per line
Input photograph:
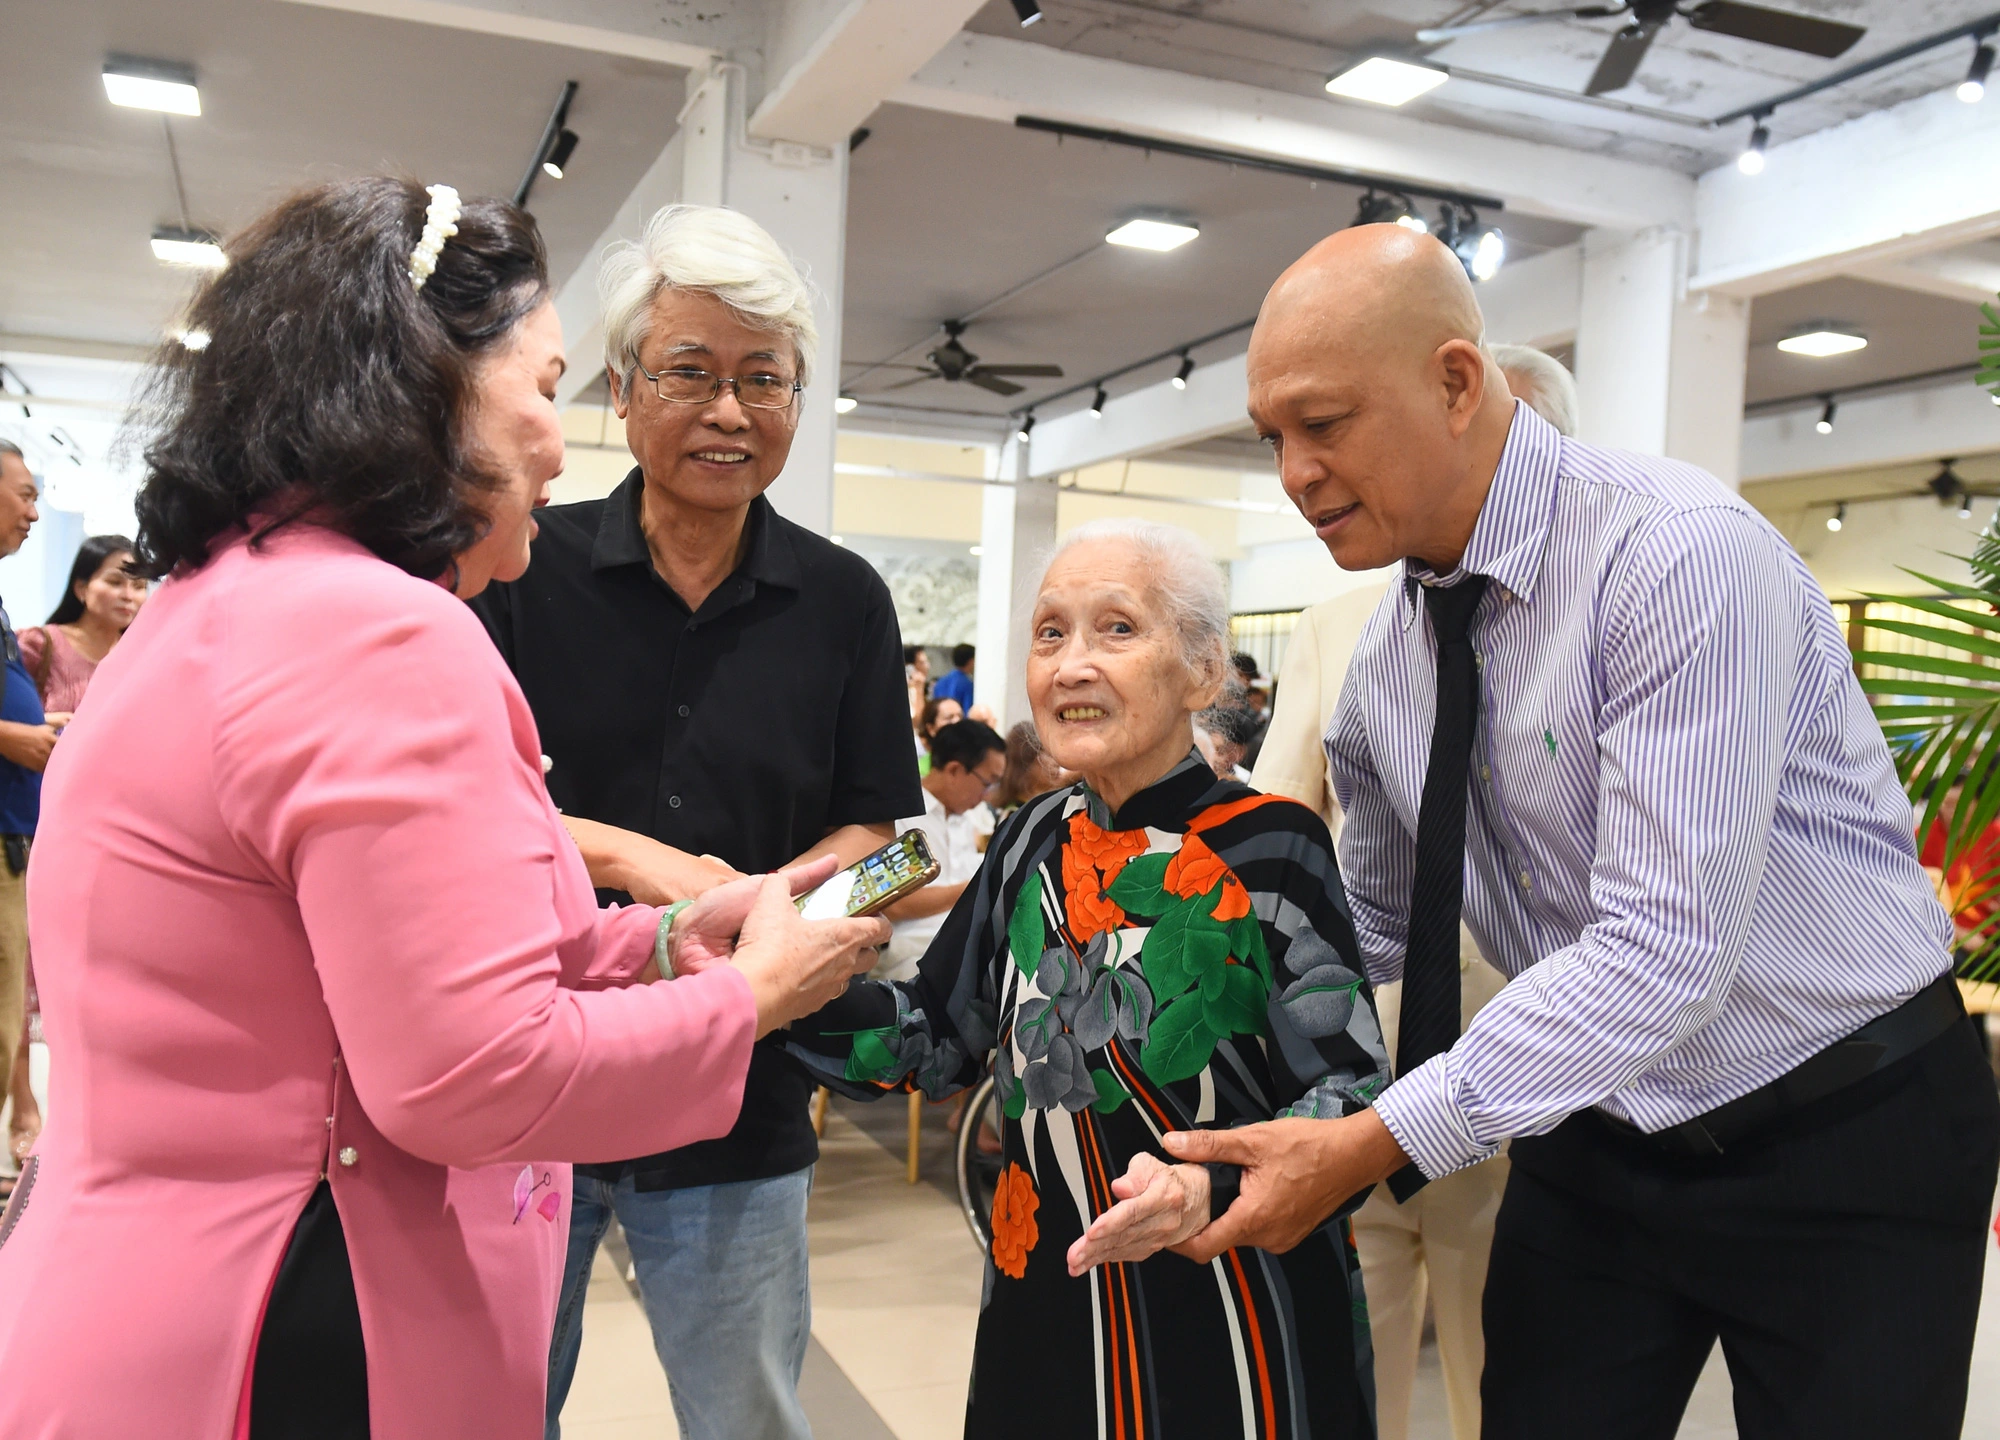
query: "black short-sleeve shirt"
745, 730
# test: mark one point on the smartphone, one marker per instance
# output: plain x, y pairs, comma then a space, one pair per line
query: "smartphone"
900, 868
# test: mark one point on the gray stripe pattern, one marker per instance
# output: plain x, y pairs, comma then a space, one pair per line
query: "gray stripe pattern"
1686, 843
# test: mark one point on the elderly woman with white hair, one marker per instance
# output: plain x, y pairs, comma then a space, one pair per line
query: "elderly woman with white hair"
718, 691
1153, 949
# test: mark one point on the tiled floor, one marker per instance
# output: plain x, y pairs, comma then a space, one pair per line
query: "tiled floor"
896, 1297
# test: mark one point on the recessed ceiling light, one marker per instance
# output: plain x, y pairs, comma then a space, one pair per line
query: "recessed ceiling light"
1821, 343
151, 85
844, 404
195, 248
1162, 235
1385, 82
978, 549
193, 339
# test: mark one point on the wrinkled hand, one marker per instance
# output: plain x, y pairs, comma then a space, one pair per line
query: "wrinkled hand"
1296, 1173
657, 874
706, 932
795, 965
1159, 1205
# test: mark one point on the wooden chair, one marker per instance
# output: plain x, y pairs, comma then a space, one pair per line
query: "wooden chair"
821, 1100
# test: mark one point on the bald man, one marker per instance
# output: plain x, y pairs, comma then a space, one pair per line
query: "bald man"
1608, 715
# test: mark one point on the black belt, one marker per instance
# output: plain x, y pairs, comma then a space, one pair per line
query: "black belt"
1875, 1046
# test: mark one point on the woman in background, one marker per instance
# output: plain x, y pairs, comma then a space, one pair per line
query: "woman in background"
935, 715
103, 597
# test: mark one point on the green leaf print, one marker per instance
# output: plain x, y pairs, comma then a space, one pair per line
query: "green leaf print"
1110, 1094
1016, 1105
1163, 958
1246, 943
1141, 886
871, 1059
1026, 932
1240, 1008
1180, 1043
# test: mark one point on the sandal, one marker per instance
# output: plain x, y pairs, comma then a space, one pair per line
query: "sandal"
21, 1143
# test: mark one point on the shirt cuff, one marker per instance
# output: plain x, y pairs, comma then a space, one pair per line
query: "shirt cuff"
1428, 1124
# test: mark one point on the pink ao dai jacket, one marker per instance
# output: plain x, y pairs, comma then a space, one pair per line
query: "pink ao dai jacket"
300, 904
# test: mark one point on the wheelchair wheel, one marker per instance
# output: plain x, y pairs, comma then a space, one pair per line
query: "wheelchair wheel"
978, 1173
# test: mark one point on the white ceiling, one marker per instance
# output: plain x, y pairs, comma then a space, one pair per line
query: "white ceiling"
291, 95
1689, 75
944, 213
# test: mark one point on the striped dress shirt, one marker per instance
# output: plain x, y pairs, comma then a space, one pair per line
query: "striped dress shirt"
1686, 845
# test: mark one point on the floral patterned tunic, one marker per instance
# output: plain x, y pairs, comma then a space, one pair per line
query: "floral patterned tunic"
1188, 962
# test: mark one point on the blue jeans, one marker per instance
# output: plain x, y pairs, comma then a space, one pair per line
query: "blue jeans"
722, 1275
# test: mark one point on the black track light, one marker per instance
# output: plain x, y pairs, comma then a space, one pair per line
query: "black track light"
1187, 369
1380, 209
1972, 89
1027, 426
1097, 402
1945, 484
559, 154
1965, 504
1029, 12
1837, 518
1751, 161
1825, 422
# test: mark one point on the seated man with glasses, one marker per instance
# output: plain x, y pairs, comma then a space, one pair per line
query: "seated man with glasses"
719, 691
968, 762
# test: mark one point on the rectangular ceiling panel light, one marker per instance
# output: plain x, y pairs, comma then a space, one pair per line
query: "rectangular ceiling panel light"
1152, 235
1821, 343
145, 85
188, 247
1385, 82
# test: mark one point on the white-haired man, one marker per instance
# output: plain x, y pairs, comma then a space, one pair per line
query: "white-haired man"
1433, 1247
720, 691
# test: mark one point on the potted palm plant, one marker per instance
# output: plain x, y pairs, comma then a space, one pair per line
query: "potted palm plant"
1940, 708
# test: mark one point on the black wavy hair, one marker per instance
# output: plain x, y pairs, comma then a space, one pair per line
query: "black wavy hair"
90, 558
966, 741
330, 384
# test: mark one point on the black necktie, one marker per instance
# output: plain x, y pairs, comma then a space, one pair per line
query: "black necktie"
1430, 965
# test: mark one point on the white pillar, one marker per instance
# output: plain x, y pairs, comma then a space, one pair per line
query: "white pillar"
1658, 371
1017, 529
799, 194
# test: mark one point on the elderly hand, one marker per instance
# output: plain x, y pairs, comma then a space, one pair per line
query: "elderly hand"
1296, 1173
1159, 1205
795, 965
706, 932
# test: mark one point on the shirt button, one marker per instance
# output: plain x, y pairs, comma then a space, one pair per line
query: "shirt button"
673, 802
329, 1122
1486, 773
684, 712
349, 1155
1527, 882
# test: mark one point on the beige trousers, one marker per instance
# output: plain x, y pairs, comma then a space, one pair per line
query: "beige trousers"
1436, 1246
13, 969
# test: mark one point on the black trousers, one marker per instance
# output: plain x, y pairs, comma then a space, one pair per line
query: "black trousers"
1836, 1256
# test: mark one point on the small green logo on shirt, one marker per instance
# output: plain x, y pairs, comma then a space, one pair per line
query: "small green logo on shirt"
1549, 737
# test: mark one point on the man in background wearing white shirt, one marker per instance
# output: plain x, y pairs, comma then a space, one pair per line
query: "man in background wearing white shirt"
967, 762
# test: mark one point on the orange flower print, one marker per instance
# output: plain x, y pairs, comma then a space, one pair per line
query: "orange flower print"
1014, 1228
1196, 870
1090, 862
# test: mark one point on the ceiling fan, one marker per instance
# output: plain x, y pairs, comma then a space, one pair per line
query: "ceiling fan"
1645, 19
952, 361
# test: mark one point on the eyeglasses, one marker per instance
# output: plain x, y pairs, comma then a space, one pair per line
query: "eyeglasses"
759, 391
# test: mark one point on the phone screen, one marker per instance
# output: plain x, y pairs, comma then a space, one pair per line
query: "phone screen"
903, 865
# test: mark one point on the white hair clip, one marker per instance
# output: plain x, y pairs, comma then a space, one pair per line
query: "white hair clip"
440, 224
